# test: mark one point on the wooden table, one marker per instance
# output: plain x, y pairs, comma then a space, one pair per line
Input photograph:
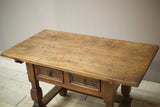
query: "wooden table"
82, 63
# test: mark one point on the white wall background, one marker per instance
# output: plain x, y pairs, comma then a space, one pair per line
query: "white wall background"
20, 19
133, 20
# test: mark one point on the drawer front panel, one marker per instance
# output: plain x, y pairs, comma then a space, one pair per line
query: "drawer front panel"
51, 74
84, 82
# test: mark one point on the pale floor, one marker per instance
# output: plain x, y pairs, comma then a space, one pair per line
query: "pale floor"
15, 91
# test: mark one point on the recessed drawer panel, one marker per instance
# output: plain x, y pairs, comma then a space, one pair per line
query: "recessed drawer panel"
84, 82
48, 73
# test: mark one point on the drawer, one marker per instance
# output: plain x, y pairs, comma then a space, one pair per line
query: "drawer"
48, 73
84, 82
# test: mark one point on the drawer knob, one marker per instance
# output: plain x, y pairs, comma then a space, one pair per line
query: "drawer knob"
84, 81
50, 74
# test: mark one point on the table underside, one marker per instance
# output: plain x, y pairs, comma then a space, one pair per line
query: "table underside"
67, 81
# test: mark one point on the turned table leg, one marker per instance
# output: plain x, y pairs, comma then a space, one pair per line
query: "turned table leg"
36, 92
63, 92
126, 100
108, 93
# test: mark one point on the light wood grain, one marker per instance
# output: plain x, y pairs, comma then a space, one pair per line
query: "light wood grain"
120, 61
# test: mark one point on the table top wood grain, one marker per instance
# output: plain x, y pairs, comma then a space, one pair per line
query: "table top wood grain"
123, 62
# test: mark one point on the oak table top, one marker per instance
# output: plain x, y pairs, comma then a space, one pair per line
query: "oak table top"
122, 62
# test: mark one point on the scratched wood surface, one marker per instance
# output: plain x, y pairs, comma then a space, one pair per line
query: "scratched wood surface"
120, 61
